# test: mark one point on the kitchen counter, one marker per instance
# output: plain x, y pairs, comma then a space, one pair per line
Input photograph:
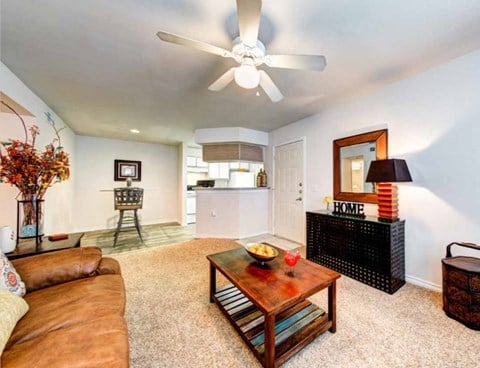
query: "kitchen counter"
232, 213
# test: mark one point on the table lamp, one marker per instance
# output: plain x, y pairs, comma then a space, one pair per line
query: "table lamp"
386, 173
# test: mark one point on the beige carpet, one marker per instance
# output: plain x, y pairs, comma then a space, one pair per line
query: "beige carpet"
172, 324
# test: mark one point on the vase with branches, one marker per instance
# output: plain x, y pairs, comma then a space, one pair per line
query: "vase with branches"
32, 171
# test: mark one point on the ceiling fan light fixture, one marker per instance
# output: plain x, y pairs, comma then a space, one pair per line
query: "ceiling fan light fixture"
246, 75
249, 52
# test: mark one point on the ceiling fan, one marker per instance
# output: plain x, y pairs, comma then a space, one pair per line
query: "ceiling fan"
249, 52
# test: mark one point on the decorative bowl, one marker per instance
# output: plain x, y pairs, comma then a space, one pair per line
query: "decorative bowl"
261, 252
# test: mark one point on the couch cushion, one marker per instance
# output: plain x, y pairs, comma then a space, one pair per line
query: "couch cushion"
71, 303
9, 278
101, 342
12, 308
53, 268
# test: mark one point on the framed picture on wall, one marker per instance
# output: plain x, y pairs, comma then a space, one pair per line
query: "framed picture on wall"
125, 169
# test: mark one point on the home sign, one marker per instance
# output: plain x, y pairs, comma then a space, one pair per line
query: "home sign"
348, 208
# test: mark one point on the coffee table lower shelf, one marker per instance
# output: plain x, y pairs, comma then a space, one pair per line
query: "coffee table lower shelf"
295, 327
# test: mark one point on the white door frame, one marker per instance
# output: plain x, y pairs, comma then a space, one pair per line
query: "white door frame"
303, 140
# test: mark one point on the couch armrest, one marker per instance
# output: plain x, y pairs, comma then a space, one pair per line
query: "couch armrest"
54, 268
108, 266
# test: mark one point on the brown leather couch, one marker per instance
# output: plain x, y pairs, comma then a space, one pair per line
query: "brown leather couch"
77, 302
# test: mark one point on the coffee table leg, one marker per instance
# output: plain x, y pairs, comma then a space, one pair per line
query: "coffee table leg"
269, 355
332, 306
213, 282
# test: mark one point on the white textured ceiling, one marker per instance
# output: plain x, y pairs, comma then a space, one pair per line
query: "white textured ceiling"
100, 66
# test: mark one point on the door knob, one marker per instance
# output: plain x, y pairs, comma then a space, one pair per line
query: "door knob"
299, 199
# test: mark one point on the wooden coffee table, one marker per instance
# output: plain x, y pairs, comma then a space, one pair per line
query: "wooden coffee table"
268, 308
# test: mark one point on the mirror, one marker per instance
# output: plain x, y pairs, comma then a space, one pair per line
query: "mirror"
351, 161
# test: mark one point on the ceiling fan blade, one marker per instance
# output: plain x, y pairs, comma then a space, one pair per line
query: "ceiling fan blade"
199, 45
223, 81
311, 62
269, 87
249, 20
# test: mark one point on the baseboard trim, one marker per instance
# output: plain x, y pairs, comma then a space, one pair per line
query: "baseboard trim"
422, 283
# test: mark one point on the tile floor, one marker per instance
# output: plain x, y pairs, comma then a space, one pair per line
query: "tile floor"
163, 234
272, 239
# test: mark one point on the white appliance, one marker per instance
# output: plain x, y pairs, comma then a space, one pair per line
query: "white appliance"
241, 179
7, 241
191, 207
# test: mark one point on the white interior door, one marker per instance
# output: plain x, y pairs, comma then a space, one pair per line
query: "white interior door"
289, 212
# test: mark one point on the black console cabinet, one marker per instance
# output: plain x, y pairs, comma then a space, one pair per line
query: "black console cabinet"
364, 249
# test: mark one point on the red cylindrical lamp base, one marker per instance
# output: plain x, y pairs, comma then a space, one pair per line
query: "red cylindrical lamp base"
387, 195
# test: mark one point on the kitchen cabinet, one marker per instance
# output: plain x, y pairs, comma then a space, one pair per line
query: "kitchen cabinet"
191, 161
196, 164
255, 167
219, 170
240, 165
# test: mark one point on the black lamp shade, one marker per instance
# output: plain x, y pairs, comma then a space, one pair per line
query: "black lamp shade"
388, 171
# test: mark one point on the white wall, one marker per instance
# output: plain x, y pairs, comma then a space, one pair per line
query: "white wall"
77, 204
433, 122
95, 181
58, 210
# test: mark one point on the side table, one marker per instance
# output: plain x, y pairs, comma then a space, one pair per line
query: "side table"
26, 248
365, 249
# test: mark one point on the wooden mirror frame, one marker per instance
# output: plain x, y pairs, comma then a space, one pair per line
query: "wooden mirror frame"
380, 137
